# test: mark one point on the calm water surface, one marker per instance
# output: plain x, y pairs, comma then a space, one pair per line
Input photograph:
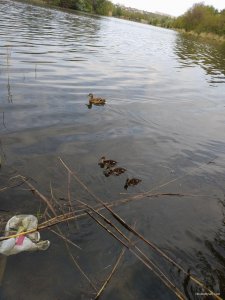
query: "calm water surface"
164, 121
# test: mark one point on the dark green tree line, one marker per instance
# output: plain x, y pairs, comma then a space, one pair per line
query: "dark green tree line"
101, 7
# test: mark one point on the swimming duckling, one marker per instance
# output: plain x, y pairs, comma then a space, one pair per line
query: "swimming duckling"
131, 182
96, 101
106, 163
115, 171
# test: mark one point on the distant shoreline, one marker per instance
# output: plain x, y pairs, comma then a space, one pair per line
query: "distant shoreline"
203, 35
206, 36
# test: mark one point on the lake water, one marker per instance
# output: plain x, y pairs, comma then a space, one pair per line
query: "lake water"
164, 122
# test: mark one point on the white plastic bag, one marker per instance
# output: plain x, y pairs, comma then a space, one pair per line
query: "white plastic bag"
28, 242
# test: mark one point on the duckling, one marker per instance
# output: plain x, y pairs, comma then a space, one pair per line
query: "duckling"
96, 101
115, 171
131, 182
106, 163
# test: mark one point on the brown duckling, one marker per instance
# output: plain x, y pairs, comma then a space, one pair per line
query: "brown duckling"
131, 182
96, 101
106, 163
115, 171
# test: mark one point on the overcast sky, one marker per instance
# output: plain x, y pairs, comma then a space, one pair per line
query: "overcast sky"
172, 7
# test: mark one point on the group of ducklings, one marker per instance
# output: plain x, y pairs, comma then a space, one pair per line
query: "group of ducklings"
110, 169
95, 101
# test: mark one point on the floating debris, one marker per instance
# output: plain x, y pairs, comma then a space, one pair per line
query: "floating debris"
18, 239
115, 171
106, 163
131, 182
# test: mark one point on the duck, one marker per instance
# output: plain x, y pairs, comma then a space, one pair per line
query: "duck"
106, 163
131, 182
114, 171
96, 101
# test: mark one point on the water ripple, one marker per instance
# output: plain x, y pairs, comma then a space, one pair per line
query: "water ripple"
163, 121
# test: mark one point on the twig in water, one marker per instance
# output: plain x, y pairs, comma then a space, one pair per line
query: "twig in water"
46, 201
68, 191
151, 265
146, 261
64, 238
125, 225
111, 273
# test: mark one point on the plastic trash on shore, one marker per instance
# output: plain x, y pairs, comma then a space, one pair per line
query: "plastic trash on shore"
26, 242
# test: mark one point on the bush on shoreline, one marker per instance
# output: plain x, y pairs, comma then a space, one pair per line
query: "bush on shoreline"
202, 18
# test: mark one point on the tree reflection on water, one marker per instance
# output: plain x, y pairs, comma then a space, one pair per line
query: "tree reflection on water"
210, 57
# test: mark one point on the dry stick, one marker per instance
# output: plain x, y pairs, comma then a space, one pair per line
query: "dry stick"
82, 212
67, 246
69, 196
158, 250
54, 212
104, 218
60, 234
14, 185
79, 268
47, 224
53, 224
162, 275
176, 179
42, 226
111, 273
68, 191
59, 220
65, 239
54, 199
149, 195
72, 257
142, 195
136, 248
153, 246
145, 261
163, 194
129, 228
41, 196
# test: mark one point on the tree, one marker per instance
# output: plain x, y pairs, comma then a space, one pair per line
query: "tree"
202, 18
103, 7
